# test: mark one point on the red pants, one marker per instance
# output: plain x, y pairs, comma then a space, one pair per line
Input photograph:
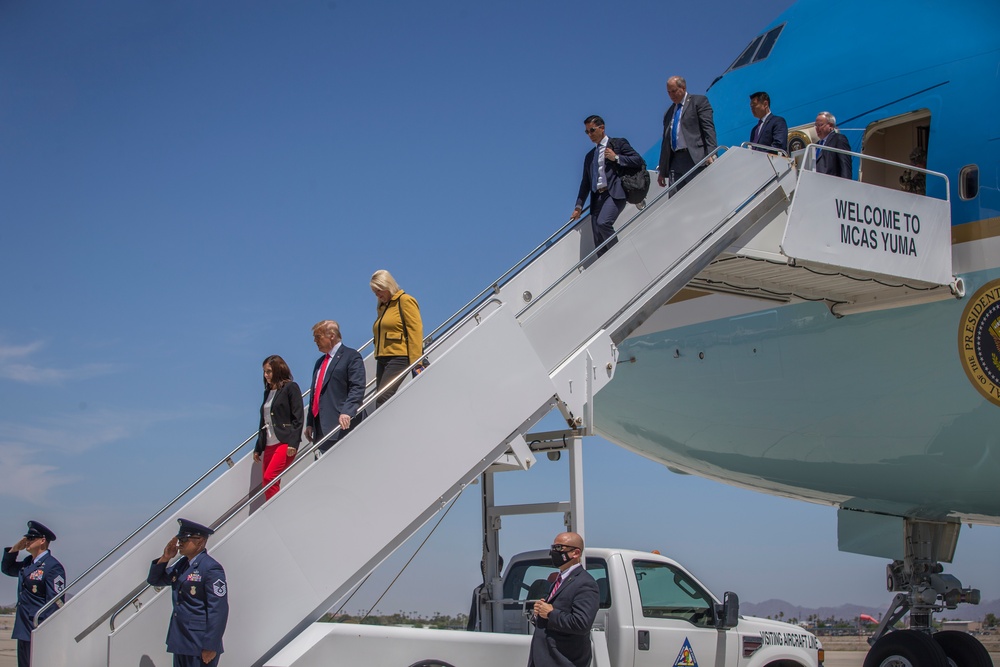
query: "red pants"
275, 460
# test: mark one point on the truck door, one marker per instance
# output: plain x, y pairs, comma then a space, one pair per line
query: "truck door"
674, 618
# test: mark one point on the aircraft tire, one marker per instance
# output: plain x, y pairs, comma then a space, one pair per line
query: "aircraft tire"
962, 649
906, 648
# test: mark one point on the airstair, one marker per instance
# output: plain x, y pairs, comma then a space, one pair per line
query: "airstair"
542, 337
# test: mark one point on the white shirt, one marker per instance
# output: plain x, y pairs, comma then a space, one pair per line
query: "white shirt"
599, 156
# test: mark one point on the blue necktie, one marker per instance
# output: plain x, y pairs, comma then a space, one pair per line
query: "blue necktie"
674, 125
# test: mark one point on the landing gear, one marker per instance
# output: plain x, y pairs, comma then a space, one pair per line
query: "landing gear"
963, 650
906, 648
922, 588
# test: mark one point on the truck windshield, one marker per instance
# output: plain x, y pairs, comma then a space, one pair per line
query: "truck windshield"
667, 592
529, 580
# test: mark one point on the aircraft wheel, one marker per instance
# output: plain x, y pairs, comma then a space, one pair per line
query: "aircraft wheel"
906, 648
963, 650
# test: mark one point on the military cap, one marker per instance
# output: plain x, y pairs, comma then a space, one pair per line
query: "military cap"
192, 529
36, 529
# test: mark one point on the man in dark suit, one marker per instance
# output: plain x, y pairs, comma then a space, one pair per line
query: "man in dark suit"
564, 618
688, 133
40, 577
828, 162
770, 130
602, 181
201, 605
338, 386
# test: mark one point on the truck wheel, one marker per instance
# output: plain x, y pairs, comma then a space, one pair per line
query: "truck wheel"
963, 650
438, 663
906, 648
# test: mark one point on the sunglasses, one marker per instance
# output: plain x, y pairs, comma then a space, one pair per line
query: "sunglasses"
562, 547
591, 130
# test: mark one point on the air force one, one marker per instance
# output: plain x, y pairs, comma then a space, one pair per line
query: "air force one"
828, 339
830, 389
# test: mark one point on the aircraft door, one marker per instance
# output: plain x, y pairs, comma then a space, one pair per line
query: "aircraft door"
674, 618
902, 138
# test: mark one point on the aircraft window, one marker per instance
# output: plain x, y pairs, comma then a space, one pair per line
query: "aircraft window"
529, 580
758, 49
669, 593
968, 182
747, 54
765, 47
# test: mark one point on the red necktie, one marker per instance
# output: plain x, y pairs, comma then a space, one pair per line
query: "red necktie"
555, 588
319, 385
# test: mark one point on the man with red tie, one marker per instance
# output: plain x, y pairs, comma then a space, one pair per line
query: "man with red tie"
338, 387
564, 618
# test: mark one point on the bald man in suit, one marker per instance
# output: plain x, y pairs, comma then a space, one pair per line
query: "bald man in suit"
564, 618
688, 133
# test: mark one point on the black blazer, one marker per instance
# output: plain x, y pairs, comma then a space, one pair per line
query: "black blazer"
627, 159
563, 639
286, 413
774, 132
835, 164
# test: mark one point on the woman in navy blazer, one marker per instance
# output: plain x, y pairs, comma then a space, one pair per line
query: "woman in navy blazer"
280, 422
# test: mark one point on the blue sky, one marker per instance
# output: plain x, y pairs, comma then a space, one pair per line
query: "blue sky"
188, 186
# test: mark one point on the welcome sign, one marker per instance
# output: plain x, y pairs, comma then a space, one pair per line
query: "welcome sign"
862, 226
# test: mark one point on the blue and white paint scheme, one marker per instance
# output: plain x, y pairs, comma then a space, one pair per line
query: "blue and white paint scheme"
872, 410
888, 410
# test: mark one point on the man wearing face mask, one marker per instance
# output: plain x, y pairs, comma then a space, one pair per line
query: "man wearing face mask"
564, 618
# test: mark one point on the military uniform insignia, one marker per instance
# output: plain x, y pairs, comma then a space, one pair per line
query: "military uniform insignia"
59, 584
194, 577
194, 590
37, 575
34, 588
219, 588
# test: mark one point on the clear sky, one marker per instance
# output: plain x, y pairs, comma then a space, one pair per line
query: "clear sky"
187, 186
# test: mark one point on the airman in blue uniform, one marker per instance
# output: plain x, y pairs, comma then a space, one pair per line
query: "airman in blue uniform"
201, 603
40, 578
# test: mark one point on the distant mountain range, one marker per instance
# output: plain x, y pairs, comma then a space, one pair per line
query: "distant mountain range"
775, 609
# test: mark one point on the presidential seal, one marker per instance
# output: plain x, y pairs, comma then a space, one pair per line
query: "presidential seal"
979, 341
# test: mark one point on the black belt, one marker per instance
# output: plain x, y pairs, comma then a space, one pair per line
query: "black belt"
600, 191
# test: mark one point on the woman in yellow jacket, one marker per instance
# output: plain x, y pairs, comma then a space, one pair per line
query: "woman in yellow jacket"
398, 331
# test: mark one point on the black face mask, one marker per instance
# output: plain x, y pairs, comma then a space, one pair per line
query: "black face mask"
558, 558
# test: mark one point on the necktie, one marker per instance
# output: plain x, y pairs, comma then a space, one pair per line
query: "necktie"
319, 385
674, 126
555, 588
756, 131
595, 175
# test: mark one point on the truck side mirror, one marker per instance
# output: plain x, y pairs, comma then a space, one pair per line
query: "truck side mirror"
728, 616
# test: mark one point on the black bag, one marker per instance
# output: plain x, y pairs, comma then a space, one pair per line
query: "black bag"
636, 185
635, 181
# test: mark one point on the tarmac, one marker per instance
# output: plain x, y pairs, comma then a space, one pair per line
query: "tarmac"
8, 653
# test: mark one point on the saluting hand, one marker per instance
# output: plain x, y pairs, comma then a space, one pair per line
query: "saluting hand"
21, 544
169, 551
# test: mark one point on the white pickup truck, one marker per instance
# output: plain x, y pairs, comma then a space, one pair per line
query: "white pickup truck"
653, 613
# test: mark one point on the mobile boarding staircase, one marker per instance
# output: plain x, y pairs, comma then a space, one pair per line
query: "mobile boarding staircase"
543, 336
